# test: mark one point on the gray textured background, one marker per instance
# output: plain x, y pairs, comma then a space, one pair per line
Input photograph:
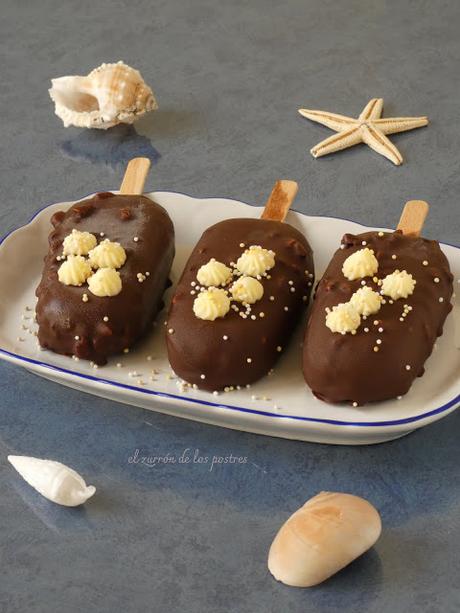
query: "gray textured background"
229, 77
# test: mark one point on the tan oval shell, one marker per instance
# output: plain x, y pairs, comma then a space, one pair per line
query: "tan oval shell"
109, 95
328, 532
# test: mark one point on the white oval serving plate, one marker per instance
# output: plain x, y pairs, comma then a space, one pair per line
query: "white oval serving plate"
281, 404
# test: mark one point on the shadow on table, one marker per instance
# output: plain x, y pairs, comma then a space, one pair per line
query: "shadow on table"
416, 474
412, 476
113, 147
357, 585
406, 479
171, 122
116, 146
54, 516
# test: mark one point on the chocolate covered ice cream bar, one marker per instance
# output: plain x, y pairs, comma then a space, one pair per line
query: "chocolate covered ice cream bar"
378, 310
104, 275
239, 298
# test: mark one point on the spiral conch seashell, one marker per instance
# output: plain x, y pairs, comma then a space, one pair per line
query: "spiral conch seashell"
53, 480
108, 95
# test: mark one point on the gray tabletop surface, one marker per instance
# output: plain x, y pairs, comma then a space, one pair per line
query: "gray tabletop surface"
229, 77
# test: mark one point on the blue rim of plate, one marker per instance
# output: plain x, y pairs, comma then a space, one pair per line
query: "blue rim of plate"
407, 420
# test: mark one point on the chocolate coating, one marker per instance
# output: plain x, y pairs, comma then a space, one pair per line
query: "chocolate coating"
345, 368
61, 313
197, 347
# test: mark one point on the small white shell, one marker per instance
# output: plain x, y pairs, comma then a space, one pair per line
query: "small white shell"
53, 480
109, 95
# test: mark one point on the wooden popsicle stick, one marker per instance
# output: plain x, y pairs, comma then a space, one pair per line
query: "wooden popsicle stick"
280, 200
413, 217
135, 176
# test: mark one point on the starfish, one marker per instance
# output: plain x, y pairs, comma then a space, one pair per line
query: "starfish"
369, 128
